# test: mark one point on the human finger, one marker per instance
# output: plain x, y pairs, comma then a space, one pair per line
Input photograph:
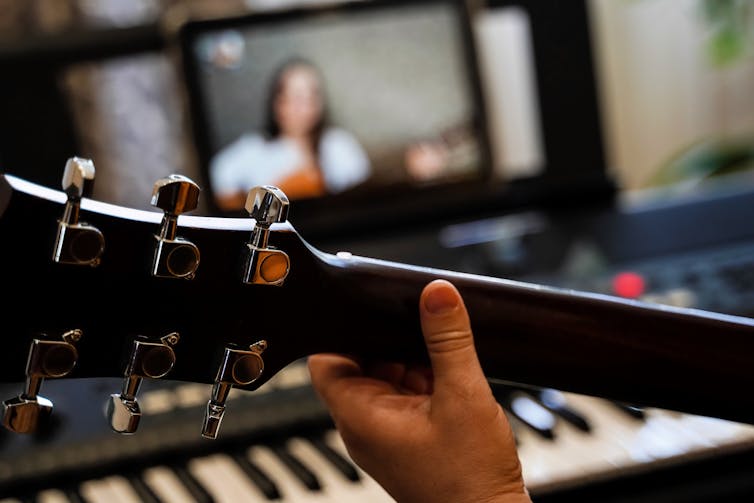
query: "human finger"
447, 334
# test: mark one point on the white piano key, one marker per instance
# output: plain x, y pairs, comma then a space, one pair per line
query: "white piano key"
333, 482
98, 491
719, 431
236, 393
659, 441
224, 479
614, 429
292, 490
672, 423
618, 442
157, 401
166, 485
587, 454
535, 467
191, 395
122, 489
575, 455
545, 461
335, 441
51, 496
693, 433
612, 432
243, 479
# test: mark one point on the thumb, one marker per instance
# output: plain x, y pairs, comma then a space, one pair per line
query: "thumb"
447, 334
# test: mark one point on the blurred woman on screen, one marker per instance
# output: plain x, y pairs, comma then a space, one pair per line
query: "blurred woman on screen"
298, 152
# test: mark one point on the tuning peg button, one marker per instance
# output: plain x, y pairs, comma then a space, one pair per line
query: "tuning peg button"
267, 205
77, 242
175, 194
174, 257
264, 264
238, 367
47, 359
146, 360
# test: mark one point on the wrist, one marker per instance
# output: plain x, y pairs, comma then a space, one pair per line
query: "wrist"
517, 494
514, 498
522, 497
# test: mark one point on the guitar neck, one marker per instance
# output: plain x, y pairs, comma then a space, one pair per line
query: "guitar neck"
681, 359
674, 358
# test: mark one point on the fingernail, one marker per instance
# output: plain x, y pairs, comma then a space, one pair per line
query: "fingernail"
440, 300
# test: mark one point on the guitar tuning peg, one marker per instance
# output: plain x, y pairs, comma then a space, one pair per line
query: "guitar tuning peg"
76, 242
47, 359
174, 257
264, 264
267, 205
238, 367
146, 360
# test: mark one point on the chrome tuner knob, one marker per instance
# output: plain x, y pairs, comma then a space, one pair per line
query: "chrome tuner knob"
238, 366
76, 242
265, 265
47, 359
147, 359
174, 257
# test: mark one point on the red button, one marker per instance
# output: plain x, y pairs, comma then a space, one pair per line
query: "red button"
629, 285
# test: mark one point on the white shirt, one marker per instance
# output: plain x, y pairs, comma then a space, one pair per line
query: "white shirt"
252, 160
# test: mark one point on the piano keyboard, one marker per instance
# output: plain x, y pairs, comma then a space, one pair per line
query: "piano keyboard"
618, 444
224, 477
278, 445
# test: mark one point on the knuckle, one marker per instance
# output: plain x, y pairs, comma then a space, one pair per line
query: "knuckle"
446, 341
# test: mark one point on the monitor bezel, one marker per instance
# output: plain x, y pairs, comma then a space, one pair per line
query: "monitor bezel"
568, 86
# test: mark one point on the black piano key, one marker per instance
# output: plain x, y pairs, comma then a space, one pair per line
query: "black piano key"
533, 415
298, 468
258, 476
556, 402
573, 417
193, 486
545, 433
631, 410
343, 465
144, 492
73, 495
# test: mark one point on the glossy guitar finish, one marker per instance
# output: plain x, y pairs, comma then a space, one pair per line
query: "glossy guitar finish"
681, 359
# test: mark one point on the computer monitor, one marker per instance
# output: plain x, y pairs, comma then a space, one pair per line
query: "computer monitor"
354, 110
397, 112
358, 111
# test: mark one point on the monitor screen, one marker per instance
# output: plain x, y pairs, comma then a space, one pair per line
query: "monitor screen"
373, 100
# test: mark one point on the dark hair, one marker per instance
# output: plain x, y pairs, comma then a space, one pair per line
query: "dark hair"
272, 128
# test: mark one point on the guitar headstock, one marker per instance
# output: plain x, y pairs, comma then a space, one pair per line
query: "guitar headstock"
98, 290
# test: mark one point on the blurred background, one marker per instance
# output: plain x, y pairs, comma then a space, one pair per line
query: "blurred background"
612, 152
673, 86
676, 81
